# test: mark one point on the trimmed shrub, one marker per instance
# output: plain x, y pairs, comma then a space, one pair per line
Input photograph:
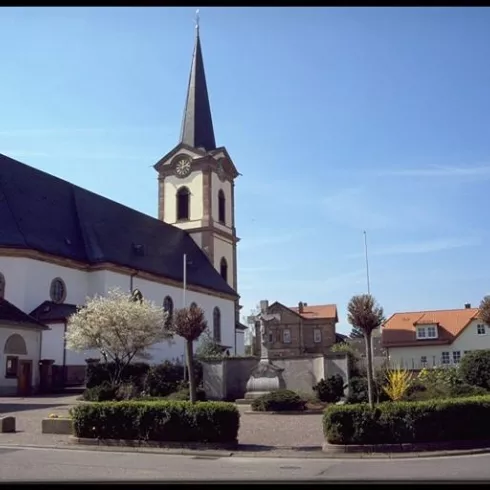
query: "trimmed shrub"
475, 368
408, 422
164, 421
330, 390
279, 401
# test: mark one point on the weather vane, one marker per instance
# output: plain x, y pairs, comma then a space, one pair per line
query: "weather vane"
197, 19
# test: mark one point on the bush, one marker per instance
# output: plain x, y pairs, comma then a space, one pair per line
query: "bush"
101, 393
408, 422
99, 373
330, 390
279, 401
358, 390
127, 391
183, 395
157, 381
215, 422
163, 379
475, 368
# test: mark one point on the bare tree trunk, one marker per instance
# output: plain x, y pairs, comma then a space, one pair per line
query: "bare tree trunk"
369, 354
190, 370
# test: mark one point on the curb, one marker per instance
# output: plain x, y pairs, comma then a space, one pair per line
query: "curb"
279, 453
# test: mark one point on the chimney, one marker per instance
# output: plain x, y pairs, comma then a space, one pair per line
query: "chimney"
264, 306
300, 307
467, 306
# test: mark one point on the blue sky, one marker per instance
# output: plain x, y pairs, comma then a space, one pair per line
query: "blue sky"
340, 120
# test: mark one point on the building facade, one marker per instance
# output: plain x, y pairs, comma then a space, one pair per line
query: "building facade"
296, 331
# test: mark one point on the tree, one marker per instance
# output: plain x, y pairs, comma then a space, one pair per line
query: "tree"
121, 326
356, 333
484, 310
364, 312
208, 347
190, 323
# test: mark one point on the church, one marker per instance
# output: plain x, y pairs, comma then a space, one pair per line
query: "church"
60, 244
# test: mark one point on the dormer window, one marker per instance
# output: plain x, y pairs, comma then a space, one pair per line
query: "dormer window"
426, 332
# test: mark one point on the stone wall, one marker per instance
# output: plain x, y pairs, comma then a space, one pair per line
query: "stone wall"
227, 379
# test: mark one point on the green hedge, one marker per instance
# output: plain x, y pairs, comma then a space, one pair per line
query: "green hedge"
401, 422
215, 422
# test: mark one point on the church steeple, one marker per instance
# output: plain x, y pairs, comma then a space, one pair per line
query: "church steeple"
197, 125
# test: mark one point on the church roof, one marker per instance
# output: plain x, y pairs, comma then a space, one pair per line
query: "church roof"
48, 311
197, 123
44, 213
11, 314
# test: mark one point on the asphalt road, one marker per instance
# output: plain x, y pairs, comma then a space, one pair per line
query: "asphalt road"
35, 464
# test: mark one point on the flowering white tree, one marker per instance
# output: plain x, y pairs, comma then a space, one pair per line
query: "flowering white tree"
122, 326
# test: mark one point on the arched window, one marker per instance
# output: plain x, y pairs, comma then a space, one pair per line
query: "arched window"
183, 203
221, 207
15, 345
217, 325
168, 306
2, 285
193, 305
57, 291
223, 269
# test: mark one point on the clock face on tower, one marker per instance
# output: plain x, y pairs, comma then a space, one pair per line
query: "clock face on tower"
183, 166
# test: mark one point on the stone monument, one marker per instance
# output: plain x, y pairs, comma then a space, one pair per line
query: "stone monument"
265, 377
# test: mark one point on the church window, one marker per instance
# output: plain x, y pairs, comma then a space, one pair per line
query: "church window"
221, 207
223, 269
2, 285
193, 305
183, 204
217, 324
57, 290
168, 306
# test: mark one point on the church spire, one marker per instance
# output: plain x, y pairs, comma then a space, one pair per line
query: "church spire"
197, 125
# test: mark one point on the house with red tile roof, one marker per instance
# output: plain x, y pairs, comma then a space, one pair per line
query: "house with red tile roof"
419, 339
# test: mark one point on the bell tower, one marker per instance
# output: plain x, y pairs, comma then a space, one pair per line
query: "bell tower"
196, 180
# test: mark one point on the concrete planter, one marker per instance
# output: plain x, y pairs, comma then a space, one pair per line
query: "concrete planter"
7, 425
419, 447
57, 426
154, 444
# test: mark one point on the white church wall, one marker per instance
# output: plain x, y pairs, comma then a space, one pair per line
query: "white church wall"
52, 343
240, 343
28, 283
14, 270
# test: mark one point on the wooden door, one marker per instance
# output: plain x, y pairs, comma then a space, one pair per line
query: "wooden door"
24, 379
